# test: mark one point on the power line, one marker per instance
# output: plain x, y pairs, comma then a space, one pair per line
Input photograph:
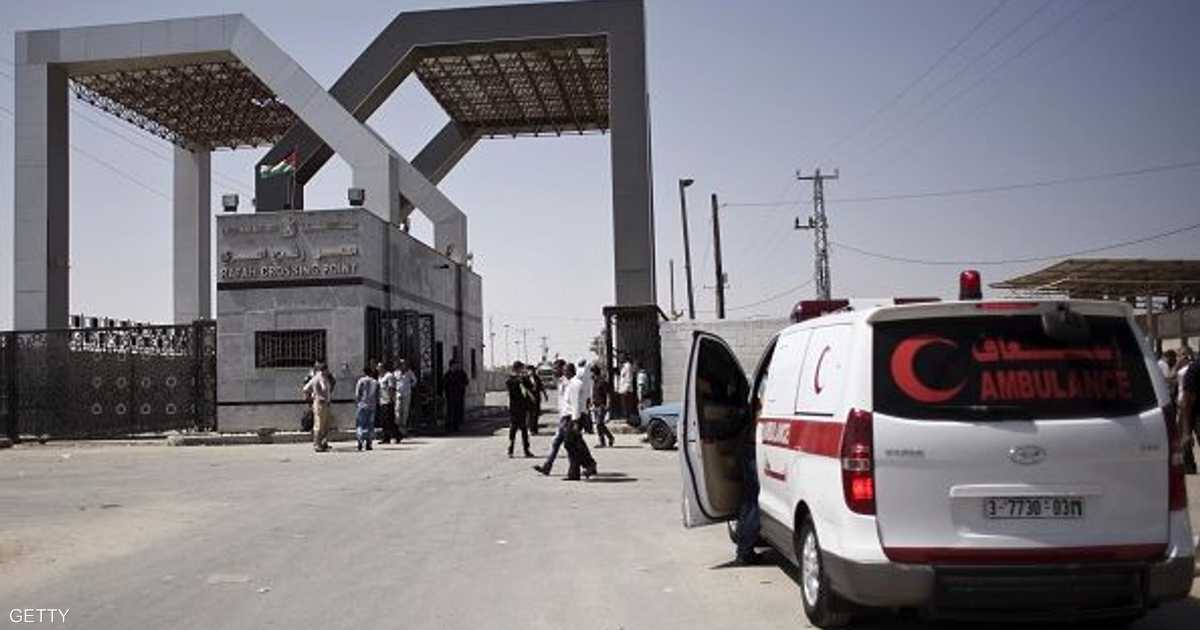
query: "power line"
1080, 252
1044, 183
974, 60
773, 297
108, 166
228, 179
908, 88
997, 68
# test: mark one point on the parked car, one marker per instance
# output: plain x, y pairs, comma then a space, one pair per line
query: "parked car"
994, 459
660, 422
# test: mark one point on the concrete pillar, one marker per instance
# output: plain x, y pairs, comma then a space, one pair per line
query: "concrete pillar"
41, 203
633, 211
191, 221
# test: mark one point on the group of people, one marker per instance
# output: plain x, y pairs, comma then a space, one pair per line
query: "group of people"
1183, 379
382, 397
583, 397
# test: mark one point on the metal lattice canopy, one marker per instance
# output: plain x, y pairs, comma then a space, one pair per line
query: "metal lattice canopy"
1113, 278
214, 103
529, 87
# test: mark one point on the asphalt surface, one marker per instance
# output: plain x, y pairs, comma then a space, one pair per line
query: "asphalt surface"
440, 532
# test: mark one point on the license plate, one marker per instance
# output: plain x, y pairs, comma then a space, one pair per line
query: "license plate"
1033, 507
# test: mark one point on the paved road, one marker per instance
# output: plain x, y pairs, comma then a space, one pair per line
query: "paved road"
436, 533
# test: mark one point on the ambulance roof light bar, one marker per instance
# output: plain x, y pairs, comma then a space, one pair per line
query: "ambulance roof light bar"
970, 285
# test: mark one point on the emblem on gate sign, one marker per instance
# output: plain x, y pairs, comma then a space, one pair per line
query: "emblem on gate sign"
1027, 455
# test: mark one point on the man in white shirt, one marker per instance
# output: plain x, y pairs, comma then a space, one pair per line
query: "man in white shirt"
565, 410
385, 417
625, 393
406, 379
577, 451
584, 373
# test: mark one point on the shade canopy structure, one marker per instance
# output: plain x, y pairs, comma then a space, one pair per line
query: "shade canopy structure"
1113, 278
199, 102
534, 87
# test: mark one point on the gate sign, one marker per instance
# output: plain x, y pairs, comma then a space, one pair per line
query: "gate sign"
289, 246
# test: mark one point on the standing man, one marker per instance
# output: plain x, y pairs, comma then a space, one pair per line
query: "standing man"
625, 394
577, 451
1189, 407
519, 400
319, 389
538, 389
564, 417
386, 414
406, 380
366, 399
601, 391
455, 387
585, 375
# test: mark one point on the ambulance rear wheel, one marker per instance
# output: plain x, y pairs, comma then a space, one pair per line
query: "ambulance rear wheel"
821, 604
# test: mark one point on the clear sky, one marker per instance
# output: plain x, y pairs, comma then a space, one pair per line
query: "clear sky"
903, 97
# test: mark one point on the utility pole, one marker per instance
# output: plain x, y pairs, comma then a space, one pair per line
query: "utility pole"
717, 259
507, 358
492, 339
674, 314
525, 343
687, 248
820, 225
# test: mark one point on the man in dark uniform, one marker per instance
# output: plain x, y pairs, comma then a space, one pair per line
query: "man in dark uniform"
519, 400
538, 389
1189, 411
454, 384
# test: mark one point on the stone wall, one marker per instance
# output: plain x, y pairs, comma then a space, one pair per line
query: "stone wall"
321, 270
748, 338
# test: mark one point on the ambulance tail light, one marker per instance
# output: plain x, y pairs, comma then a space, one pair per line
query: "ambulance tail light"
1176, 482
858, 462
969, 285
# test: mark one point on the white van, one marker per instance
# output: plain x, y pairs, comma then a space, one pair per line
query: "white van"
978, 460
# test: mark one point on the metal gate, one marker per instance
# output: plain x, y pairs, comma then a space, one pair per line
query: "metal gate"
631, 332
109, 382
409, 335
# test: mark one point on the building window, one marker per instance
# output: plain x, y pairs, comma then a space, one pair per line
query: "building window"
288, 348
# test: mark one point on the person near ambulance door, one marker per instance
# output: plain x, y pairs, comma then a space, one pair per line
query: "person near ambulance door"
319, 389
406, 380
366, 402
519, 400
454, 386
1189, 411
385, 416
643, 389
538, 390
601, 391
564, 417
626, 396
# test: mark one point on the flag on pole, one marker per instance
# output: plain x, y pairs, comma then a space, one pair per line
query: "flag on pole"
286, 165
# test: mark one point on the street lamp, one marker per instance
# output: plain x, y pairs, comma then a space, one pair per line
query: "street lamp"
687, 249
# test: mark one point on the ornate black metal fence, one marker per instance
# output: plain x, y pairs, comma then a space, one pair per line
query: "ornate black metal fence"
109, 382
409, 335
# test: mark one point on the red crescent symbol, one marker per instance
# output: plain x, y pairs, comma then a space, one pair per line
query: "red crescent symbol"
905, 376
817, 372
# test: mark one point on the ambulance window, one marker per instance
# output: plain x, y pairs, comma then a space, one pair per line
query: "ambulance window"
1008, 367
824, 372
761, 378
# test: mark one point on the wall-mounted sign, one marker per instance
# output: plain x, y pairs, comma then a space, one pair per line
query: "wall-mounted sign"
288, 247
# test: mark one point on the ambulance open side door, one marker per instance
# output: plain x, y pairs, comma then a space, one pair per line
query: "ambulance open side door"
717, 423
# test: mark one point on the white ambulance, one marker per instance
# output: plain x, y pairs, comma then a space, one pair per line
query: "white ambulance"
971, 460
